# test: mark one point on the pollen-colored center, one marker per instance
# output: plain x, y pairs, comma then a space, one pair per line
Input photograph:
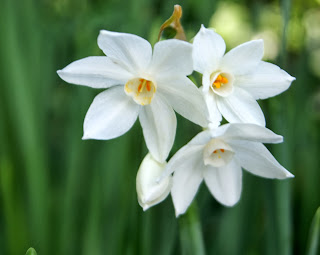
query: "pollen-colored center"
218, 152
141, 90
220, 81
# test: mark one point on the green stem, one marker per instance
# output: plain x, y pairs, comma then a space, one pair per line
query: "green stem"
31, 251
314, 235
191, 239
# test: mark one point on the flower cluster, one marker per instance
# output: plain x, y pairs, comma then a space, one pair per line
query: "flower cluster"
152, 84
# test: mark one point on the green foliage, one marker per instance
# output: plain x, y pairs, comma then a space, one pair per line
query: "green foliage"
190, 232
31, 251
314, 235
67, 196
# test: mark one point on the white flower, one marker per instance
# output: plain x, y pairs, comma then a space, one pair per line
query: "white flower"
151, 85
217, 157
150, 192
233, 82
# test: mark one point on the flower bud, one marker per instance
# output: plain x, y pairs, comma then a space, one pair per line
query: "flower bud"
150, 190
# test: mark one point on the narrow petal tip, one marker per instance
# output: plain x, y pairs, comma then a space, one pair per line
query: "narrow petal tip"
177, 213
145, 207
60, 73
204, 30
291, 78
289, 175
85, 137
63, 75
259, 41
279, 139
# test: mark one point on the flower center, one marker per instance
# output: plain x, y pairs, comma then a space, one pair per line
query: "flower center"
217, 153
141, 90
222, 83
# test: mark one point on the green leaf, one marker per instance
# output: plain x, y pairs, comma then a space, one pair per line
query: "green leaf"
314, 235
191, 238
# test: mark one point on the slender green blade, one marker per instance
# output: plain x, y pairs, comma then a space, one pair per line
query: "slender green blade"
191, 239
314, 235
31, 251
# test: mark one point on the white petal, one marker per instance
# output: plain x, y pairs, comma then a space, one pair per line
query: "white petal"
111, 114
185, 98
256, 159
250, 132
182, 157
267, 80
149, 191
194, 147
187, 165
201, 139
225, 183
171, 58
215, 117
241, 107
131, 51
95, 72
208, 49
159, 124
244, 58
206, 83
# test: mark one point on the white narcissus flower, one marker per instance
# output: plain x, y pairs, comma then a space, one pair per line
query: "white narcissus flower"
150, 191
140, 84
232, 82
217, 157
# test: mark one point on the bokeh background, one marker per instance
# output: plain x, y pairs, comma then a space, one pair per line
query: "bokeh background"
62, 195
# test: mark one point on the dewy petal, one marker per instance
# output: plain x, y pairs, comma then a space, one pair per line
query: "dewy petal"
159, 124
130, 51
241, 107
250, 132
244, 58
214, 114
111, 114
208, 49
225, 183
171, 58
256, 159
267, 80
185, 98
187, 165
95, 72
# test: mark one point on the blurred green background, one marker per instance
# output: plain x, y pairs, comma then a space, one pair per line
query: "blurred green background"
62, 195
